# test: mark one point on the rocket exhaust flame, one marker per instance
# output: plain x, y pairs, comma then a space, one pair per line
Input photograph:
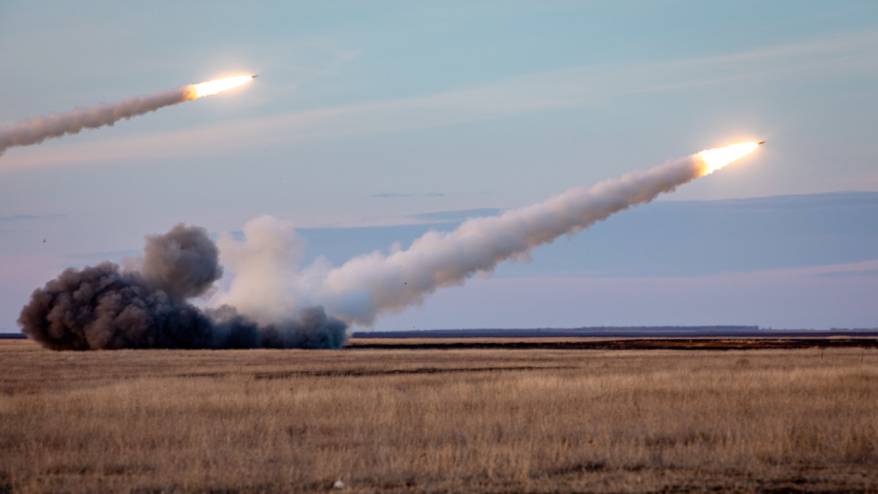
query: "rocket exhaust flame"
717, 158
217, 86
36, 130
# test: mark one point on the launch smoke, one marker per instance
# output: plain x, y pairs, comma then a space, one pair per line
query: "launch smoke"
37, 130
273, 302
104, 307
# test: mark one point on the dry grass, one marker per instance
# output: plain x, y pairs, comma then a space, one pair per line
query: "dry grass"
437, 420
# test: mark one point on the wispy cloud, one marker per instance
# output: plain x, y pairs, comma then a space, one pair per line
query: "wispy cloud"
17, 218
826, 57
455, 215
406, 195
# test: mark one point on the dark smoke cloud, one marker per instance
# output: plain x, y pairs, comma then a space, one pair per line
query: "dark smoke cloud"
311, 328
102, 307
183, 262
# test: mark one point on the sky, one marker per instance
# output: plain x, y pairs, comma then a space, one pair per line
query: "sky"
372, 122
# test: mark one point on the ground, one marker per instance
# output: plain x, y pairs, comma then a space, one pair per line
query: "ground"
423, 418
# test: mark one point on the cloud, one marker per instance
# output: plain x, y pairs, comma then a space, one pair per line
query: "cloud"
867, 269
455, 215
826, 57
406, 195
16, 218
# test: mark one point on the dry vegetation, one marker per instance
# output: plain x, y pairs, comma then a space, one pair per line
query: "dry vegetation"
437, 420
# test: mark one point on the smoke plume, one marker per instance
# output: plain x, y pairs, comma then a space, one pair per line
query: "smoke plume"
273, 302
183, 262
366, 286
104, 307
37, 130
267, 281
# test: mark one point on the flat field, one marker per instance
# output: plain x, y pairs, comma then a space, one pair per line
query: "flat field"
419, 418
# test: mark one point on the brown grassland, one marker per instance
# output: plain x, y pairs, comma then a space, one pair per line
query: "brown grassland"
434, 420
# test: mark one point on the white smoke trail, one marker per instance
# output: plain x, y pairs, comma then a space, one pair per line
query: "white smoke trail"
365, 286
37, 130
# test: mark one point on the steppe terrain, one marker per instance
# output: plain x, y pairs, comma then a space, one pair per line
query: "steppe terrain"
397, 418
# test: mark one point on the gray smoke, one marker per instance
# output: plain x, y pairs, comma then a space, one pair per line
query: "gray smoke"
36, 130
104, 307
183, 262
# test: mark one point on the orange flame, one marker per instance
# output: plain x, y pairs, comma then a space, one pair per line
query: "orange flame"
717, 158
209, 88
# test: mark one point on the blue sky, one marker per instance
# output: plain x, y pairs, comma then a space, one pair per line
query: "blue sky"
371, 114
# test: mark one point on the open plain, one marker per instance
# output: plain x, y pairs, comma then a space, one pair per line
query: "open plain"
431, 419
